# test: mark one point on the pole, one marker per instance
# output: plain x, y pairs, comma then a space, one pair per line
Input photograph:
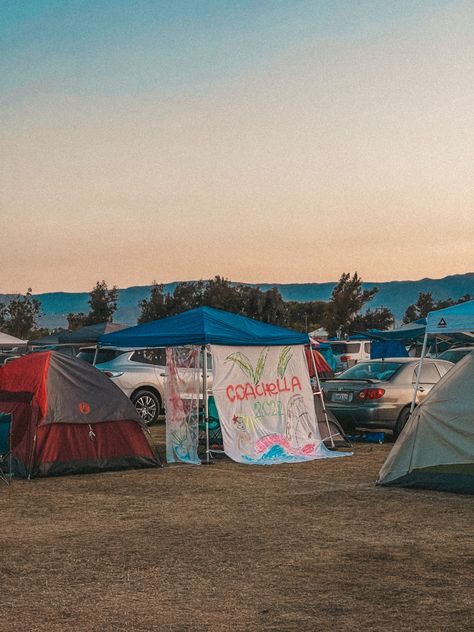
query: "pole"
205, 399
320, 394
95, 355
420, 366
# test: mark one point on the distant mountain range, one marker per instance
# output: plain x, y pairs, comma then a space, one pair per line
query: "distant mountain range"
396, 295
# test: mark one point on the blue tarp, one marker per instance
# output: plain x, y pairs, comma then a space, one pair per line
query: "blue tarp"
203, 325
387, 349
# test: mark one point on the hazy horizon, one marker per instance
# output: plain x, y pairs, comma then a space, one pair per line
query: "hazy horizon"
286, 140
245, 282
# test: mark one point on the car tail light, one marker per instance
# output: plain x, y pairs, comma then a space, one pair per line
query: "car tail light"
113, 373
370, 393
345, 358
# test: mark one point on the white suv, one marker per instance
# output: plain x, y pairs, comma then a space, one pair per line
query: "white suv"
140, 374
350, 352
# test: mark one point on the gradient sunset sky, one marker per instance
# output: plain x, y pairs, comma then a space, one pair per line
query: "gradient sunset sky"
264, 140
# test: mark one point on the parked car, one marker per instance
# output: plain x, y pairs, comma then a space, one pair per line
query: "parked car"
348, 353
139, 374
455, 354
378, 393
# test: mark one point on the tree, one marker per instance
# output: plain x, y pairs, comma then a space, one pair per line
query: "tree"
103, 303
154, 307
380, 318
76, 321
252, 301
426, 304
186, 295
305, 316
347, 299
274, 307
19, 317
221, 294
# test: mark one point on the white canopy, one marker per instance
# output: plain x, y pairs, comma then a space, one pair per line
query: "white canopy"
10, 341
455, 319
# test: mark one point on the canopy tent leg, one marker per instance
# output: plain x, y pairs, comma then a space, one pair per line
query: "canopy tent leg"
205, 400
420, 366
320, 395
94, 361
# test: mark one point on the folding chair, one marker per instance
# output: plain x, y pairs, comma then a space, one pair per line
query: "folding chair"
5, 447
215, 434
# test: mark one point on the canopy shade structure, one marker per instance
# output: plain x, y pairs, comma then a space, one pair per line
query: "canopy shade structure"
201, 326
455, 319
50, 339
89, 334
451, 320
10, 341
406, 333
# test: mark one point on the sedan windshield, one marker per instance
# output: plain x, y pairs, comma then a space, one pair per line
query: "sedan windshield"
383, 371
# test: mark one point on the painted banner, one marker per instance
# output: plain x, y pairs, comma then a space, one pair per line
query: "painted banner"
182, 387
265, 405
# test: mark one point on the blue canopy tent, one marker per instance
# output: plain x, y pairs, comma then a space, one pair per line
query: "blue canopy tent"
202, 326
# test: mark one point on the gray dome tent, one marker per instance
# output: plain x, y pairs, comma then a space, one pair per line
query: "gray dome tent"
436, 448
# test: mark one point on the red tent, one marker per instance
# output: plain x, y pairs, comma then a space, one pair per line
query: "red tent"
323, 368
69, 418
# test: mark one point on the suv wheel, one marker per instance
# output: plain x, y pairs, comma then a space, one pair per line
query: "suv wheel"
148, 406
401, 422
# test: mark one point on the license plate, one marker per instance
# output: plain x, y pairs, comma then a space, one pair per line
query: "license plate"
341, 397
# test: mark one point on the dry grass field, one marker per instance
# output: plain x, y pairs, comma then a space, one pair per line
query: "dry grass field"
312, 546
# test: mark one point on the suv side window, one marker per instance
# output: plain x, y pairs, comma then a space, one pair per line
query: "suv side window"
150, 356
367, 347
429, 374
353, 347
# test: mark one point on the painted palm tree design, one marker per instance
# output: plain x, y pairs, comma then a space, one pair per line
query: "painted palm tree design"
241, 360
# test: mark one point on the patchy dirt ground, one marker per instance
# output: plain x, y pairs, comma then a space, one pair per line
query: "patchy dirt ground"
312, 546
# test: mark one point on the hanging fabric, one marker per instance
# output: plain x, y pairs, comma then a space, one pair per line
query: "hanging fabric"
182, 389
265, 404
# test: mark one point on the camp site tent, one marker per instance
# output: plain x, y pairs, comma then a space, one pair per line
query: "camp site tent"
436, 448
89, 334
68, 418
202, 326
10, 341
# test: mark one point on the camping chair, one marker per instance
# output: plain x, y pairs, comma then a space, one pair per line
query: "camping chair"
5, 448
215, 434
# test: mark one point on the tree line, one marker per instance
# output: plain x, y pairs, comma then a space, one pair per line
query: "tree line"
341, 315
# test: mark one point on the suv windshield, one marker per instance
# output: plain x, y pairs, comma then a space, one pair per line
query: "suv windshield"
383, 371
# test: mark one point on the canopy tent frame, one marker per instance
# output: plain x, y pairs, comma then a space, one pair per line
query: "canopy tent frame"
292, 338
455, 319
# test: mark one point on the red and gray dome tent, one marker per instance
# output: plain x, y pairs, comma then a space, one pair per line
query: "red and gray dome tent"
69, 418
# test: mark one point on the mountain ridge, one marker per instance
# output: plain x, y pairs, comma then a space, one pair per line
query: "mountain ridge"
396, 295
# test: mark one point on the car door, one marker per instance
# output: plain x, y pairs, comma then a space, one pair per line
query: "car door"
428, 378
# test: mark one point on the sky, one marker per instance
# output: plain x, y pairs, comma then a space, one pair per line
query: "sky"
265, 141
